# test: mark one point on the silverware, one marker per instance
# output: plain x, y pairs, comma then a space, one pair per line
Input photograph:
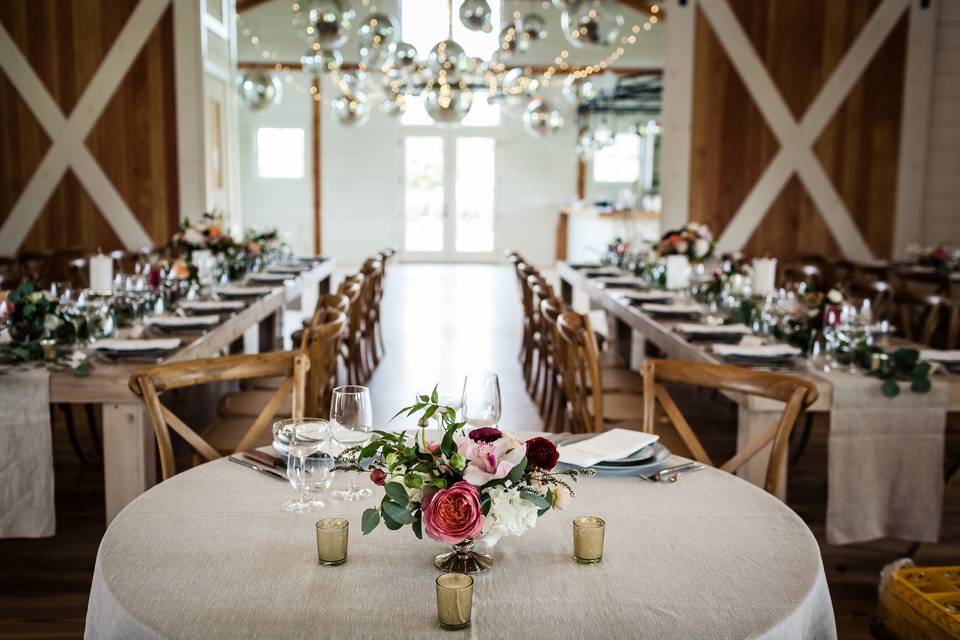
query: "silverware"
256, 467
670, 474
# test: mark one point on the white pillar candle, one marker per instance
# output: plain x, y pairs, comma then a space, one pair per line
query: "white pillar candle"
101, 273
764, 275
678, 272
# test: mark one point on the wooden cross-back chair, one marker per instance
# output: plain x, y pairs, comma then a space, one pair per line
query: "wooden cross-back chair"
524, 271
326, 302
352, 350
929, 320
880, 295
321, 341
373, 293
35, 266
555, 400
810, 275
797, 394
9, 272
540, 290
590, 407
151, 383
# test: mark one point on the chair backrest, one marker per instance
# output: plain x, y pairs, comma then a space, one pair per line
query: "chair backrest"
797, 393
328, 301
321, 342
581, 378
808, 274
150, 383
930, 320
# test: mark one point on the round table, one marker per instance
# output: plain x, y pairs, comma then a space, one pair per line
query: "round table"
209, 554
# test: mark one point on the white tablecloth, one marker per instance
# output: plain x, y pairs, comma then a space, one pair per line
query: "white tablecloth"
209, 554
26, 454
885, 461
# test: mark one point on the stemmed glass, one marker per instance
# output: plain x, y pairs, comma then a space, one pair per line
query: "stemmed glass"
303, 437
480, 401
351, 418
853, 325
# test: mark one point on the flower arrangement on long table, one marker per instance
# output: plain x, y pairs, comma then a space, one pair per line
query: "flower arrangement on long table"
477, 482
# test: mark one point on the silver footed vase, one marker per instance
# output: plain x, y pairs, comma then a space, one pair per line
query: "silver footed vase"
463, 559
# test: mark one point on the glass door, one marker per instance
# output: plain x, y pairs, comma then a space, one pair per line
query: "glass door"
449, 186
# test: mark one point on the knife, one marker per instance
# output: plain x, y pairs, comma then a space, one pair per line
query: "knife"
670, 474
255, 467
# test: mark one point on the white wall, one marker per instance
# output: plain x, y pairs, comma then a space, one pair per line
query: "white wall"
941, 204
278, 202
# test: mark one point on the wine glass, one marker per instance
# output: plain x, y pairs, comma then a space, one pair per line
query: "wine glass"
303, 437
351, 418
318, 476
480, 400
853, 327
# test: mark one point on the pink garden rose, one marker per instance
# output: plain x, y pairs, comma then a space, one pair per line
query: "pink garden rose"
453, 515
488, 461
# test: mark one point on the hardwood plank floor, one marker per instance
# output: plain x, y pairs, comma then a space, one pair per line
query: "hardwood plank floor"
439, 321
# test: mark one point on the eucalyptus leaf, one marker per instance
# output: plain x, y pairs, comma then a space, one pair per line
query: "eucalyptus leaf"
397, 513
516, 474
396, 492
890, 388
418, 528
369, 520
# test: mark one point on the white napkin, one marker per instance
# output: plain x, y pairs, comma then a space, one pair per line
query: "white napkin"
644, 296
211, 305
243, 291
119, 344
177, 321
268, 277
288, 268
615, 444
672, 309
712, 329
937, 355
606, 271
758, 351
614, 280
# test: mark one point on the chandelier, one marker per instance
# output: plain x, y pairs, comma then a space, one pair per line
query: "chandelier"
390, 70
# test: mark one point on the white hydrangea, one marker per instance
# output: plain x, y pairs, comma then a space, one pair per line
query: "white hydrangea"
510, 514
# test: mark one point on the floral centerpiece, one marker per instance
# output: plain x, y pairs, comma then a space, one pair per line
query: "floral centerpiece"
470, 483
207, 234
37, 325
265, 245
693, 240
934, 256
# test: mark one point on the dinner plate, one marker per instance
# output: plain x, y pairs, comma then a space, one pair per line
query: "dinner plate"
200, 307
269, 277
640, 467
242, 292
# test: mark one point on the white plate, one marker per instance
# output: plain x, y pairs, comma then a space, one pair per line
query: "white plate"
177, 321
133, 346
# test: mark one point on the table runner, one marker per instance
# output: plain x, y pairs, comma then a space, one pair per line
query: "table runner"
209, 554
884, 461
26, 454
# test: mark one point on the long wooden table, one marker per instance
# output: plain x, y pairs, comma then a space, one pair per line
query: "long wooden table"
630, 328
129, 449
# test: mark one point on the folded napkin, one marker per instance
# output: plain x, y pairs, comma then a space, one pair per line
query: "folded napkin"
120, 344
672, 309
756, 351
693, 328
644, 296
243, 291
615, 444
268, 277
937, 355
177, 321
615, 280
288, 268
210, 305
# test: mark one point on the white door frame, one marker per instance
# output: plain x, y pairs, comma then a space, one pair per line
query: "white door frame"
449, 136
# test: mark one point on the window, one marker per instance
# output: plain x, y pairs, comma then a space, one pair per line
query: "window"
424, 23
618, 162
279, 153
481, 114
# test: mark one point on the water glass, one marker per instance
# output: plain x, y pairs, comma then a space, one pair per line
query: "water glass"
303, 437
351, 418
480, 400
318, 474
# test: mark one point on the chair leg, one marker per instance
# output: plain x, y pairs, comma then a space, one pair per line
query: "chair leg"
67, 411
547, 377
379, 327
535, 375
92, 427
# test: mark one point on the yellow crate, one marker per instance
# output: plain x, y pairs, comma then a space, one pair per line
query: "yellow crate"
923, 602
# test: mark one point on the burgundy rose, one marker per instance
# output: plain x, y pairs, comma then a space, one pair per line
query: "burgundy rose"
485, 434
379, 477
542, 454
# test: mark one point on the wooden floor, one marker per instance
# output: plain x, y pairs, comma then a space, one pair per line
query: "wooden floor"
473, 325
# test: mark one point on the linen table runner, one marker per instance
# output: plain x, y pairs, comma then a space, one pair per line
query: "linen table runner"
26, 455
884, 461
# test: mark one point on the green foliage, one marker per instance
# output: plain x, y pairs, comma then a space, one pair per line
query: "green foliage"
900, 366
369, 520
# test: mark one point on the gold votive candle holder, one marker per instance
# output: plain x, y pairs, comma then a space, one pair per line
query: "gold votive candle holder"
454, 600
49, 346
332, 534
588, 539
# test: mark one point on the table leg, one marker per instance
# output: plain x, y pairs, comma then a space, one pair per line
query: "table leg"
621, 336
269, 332
752, 423
324, 286
129, 465
566, 292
